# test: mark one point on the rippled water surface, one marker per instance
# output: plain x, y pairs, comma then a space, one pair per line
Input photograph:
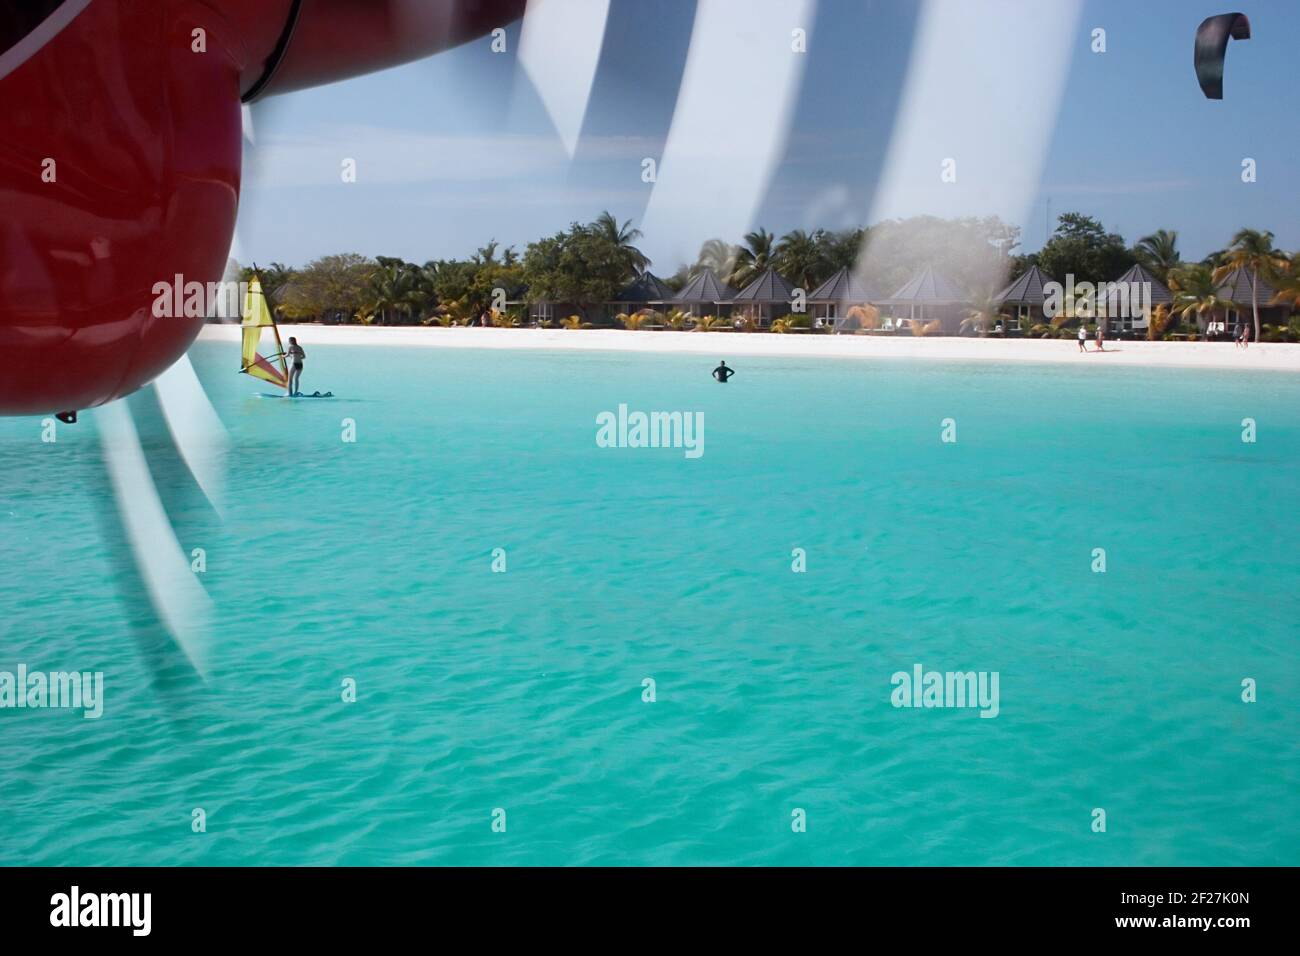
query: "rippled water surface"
523, 690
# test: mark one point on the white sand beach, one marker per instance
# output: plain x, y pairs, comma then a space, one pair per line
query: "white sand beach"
1263, 356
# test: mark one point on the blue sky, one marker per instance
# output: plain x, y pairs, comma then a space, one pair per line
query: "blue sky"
458, 149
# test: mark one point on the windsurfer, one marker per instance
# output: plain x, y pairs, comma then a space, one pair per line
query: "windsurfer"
296, 353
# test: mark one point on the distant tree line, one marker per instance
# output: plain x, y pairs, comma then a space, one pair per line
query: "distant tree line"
586, 265
1082, 247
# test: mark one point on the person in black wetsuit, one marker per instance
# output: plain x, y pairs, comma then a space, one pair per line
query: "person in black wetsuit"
722, 373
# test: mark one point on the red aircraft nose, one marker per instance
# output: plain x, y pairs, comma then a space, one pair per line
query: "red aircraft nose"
120, 158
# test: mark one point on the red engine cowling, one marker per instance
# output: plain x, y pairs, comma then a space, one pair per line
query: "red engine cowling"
120, 140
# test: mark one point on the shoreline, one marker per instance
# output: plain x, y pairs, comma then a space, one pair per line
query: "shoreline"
1263, 356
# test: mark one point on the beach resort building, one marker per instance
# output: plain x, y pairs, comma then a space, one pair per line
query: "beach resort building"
928, 297
831, 300
1025, 298
768, 297
1127, 307
646, 291
542, 312
706, 294
1237, 288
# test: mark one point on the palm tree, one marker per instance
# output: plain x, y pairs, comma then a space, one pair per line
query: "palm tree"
275, 277
1196, 292
1214, 259
390, 288
866, 316
706, 322
1288, 283
1159, 252
800, 258
487, 255
415, 289
753, 258
622, 237
1252, 250
1158, 322
840, 249
983, 314
635, 320
717, 255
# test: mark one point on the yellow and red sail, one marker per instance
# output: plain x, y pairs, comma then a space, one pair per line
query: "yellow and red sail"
269, 367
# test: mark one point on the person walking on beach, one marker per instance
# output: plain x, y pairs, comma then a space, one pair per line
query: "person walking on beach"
1101, 336
1243, 333
722, 373
1083, 336
296, 354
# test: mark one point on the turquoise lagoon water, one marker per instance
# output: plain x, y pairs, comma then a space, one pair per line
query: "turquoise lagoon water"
523, 690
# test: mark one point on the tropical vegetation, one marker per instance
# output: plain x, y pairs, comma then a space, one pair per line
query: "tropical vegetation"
584, 267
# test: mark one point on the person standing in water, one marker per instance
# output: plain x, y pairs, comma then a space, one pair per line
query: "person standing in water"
722, 373
296, 355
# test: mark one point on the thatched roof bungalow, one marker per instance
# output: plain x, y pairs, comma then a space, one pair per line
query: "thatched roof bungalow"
706, 294
646, 291
929, 296
841, 292
767, 297
1132, 297
1239, 287
1026, 295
